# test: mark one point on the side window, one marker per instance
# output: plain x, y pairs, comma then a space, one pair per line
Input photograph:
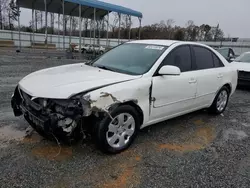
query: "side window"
180, 57
203, 58
217, 61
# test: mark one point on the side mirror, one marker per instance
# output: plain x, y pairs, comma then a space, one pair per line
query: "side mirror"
231, 59
169, 70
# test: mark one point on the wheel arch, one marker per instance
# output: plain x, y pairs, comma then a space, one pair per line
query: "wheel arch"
136, 107
229, 87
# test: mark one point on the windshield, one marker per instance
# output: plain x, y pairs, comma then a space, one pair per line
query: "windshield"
245, 57
223, 52
130, 58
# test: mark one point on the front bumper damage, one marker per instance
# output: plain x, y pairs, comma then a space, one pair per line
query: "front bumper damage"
62, 119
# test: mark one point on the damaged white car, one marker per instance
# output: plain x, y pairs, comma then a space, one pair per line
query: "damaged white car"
132, 86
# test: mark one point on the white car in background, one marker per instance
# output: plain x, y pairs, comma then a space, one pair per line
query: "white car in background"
90, 49
130, 87
242, 63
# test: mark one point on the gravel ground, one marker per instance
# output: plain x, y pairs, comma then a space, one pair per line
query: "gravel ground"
195, 150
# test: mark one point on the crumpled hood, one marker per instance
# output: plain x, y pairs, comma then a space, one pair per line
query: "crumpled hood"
241, 66
64, 81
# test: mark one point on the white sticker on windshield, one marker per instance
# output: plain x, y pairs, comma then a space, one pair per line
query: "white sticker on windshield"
154, 47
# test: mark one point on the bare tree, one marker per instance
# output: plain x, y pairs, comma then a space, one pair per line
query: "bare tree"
74, 23
113, 25
36, 20
86, 25
189, 30
4, 5
52, 17
12, 13
169, 24
39, 18
65, 22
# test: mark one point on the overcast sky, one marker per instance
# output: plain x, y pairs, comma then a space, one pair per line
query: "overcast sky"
232, 15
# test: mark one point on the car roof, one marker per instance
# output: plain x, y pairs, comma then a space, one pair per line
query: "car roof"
155, 42
164, 42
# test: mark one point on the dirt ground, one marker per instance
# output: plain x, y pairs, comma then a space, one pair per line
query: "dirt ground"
195, 150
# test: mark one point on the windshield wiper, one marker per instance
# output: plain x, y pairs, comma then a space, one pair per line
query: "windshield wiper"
104, 67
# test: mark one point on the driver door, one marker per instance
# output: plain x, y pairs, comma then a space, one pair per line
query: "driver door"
174, 95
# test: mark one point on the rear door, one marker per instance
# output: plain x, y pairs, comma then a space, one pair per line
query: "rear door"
209, 74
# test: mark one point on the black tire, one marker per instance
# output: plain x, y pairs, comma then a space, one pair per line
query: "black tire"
213, 108
83, 51
101, 128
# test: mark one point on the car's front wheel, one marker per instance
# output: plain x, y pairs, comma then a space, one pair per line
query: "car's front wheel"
117, 134
220, 102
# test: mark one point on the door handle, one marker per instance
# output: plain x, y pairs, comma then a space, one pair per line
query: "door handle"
220, 75
192, 81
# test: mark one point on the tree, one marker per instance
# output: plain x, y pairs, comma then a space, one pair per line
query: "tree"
179, 35
218, 34
113, 25
190, 30
64, 22
86, 23
4, 5
74, 23
52, 18
169, 24
12, 13
206, 29
39, 18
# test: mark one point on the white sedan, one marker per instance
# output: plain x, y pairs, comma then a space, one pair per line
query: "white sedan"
90, 49
132, 86
242, 63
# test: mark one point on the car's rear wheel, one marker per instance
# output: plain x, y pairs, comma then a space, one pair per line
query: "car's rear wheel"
117, 134
220, 102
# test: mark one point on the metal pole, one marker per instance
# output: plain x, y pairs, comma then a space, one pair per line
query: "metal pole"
63, 25
94, 24
80, 29
58, 34
70, 29
83, 41
51, 25
107, 30
129, 32
140, 29
99, 31
18, 19
46, 24
90, 31
33, 28
119, 31
1, 16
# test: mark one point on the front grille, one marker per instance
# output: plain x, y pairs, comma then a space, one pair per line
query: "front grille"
244, 75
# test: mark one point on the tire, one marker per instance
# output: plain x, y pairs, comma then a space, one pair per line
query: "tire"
113, 138
83, 51
222, 96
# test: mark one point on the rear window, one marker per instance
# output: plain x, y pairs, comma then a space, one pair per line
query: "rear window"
203, 58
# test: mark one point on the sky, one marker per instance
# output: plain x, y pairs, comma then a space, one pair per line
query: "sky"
232, 15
